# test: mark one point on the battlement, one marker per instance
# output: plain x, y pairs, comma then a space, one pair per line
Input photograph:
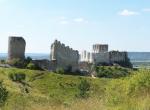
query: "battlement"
64, 55
97, 48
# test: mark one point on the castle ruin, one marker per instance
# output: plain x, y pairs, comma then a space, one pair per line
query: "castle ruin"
99, 48
16, 48
64, 56
100, 54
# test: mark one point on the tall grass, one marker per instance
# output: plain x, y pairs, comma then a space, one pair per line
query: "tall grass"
49, 91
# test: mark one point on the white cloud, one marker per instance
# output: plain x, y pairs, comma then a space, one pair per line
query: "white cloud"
78, 20
126, 12
146, 10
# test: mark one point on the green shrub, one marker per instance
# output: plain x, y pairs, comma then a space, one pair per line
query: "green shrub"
84, 88
111, 72
28, 59
26, 62
17, 63
3, 94
60, 71
32, 66
115, 92
17, 77
139, 83
2, 61
20, 63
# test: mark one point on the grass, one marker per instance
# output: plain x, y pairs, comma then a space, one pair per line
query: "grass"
50, 91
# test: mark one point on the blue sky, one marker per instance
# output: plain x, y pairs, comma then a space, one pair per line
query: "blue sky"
123, 24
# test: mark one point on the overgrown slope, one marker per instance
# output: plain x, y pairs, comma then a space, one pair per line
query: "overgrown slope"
42, 90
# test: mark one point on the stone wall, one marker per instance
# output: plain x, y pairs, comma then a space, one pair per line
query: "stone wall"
86, 57
45, 64
64, 56
16, 48
98, 48
116, 56
102, 57
105, 57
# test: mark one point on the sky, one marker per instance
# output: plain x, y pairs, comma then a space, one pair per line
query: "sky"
123, 24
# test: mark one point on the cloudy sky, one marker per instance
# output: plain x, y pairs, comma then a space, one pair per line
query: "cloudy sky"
123, 24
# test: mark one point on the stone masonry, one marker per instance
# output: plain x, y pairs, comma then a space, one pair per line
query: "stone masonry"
100, 54
16, 48
64, 56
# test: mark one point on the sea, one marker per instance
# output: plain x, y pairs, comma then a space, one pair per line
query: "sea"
138, 59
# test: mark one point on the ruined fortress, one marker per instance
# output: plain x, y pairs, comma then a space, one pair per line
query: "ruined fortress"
100, 54
64, 57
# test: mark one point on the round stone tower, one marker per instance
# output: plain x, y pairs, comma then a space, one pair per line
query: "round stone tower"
16, 48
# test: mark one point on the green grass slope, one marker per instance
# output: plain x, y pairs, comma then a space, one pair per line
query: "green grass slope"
43, 90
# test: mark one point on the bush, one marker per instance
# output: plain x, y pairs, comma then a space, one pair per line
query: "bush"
17, 63
60, 71
2, 61
28, 59
139, 83
115, 92
111, 71
26, 62
84, 88
20, 63
32, 66
18, 77
3, 94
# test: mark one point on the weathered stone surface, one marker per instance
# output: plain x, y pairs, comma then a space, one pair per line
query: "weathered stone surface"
45, 64
16, 48
86, 57
116, 56
64, 56
100, 54
97, 48
102, 57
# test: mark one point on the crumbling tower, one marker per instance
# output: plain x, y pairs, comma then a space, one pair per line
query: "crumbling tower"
16, 48
98, 48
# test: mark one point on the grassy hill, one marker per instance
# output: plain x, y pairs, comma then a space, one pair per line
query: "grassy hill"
43, 90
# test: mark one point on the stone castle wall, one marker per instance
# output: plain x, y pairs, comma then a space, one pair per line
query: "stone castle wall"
98, 48
16, 48
45, 64
102, 57
116, 56
64, 56
86, 57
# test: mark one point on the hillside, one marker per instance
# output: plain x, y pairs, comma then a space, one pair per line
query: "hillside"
43, 90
